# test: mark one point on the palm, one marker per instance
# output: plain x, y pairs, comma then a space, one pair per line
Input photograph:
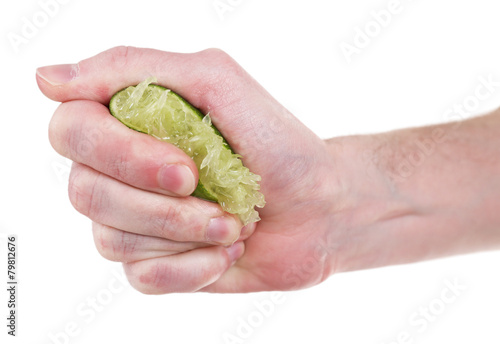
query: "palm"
280, 254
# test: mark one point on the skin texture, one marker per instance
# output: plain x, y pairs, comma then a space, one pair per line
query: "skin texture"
343, 204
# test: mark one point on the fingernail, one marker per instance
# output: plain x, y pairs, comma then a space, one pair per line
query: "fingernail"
222, 230
235, 251
59, 74
177, 179
247, 230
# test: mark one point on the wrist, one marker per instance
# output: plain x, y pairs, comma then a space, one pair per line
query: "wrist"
417, 194
368, 207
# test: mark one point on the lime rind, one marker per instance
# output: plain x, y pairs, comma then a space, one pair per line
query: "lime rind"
161, 113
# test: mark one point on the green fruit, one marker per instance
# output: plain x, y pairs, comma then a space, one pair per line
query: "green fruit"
163, 114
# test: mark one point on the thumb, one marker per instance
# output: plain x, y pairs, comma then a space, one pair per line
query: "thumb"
207, 78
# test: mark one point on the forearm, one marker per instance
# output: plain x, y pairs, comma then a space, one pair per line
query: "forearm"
420, 193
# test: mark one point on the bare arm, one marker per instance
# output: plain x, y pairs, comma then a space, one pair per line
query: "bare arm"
420, 193
344, 204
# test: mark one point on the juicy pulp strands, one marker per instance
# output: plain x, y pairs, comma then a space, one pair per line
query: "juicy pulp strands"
163, 114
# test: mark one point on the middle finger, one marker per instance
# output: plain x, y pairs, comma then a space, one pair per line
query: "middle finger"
110, 202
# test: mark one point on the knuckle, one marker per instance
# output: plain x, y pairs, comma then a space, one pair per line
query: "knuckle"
118, 167
215, 54
165, 220
71, 137
124, 245
158, 275
55, 130
86, 193
150, 277
217, 62
177, 222
79, 143
134, 282
114, 244
102, 241
118, 57
68, 138
77, 191
223, 79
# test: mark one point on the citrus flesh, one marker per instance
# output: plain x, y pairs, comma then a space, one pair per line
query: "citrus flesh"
163, 114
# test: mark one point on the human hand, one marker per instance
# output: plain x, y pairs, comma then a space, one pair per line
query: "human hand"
332, 206
142, 218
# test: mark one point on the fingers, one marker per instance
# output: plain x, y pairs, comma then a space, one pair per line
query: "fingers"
210, 80
120, 246
184, 272
85, 132
113, 203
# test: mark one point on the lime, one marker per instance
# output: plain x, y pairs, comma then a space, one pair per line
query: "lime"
163, 114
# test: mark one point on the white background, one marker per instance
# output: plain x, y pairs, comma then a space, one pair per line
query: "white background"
426, 60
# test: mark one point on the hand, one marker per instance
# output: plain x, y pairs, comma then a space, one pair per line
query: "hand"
133, 186
338, 205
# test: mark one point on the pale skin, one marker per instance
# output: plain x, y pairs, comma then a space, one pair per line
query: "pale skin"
333, 205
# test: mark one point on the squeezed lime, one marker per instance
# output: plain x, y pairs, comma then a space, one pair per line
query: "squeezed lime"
163, 114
